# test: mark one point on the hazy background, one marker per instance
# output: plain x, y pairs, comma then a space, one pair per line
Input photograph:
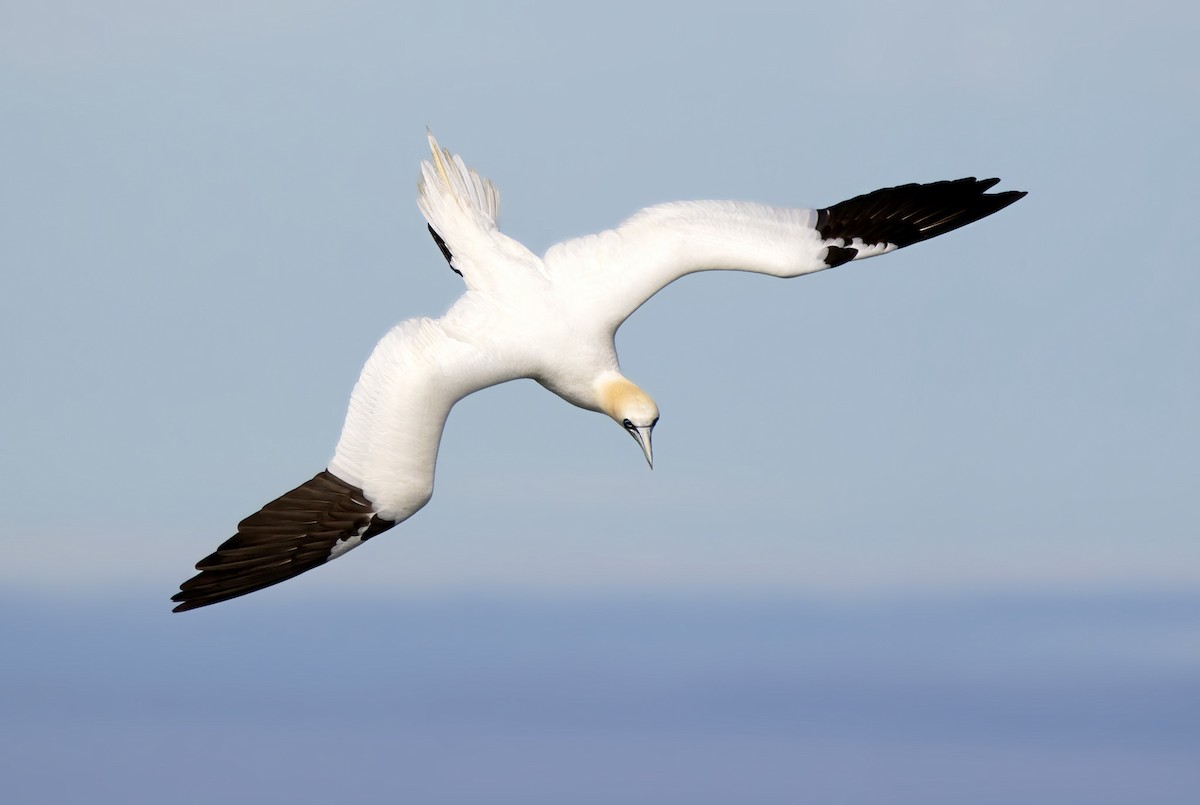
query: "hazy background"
921, 529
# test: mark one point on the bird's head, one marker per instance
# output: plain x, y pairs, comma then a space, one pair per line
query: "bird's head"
632, 409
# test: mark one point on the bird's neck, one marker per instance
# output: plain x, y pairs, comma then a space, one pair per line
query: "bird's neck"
614, 392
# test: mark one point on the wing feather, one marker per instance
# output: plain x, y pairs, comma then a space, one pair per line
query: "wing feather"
618, 270
399, 405
316, 521
382, 471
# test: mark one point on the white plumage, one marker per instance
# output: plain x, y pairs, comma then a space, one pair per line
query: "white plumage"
553, 319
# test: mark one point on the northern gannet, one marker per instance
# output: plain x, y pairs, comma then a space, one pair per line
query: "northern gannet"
552, 319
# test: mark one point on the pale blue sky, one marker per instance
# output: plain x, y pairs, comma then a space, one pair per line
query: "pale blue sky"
955, 559
209, 219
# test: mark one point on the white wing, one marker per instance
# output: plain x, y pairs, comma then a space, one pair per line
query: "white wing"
616, 271
381, 473
399, 406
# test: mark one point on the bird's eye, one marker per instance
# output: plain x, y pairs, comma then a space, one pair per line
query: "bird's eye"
628, 425
655, 422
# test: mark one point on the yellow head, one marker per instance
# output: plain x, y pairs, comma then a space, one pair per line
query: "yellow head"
632, 409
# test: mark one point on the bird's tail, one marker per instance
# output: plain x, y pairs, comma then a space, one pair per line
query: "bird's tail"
450, 192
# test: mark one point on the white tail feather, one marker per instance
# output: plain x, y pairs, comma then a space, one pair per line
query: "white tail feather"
450, 192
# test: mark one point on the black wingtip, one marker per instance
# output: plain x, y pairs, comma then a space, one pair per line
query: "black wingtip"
441, 244
290, 535
912, 213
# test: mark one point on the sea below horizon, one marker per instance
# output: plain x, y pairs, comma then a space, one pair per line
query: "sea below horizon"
1020, 697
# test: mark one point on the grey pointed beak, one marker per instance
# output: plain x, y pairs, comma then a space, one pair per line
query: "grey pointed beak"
642, 437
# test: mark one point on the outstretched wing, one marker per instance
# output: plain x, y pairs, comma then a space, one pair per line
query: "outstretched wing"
381, 473
618, 270
315, 522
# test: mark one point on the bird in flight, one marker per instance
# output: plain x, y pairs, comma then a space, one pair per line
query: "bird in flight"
551, 318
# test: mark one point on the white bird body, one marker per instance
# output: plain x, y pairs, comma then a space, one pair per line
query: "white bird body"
553, 319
